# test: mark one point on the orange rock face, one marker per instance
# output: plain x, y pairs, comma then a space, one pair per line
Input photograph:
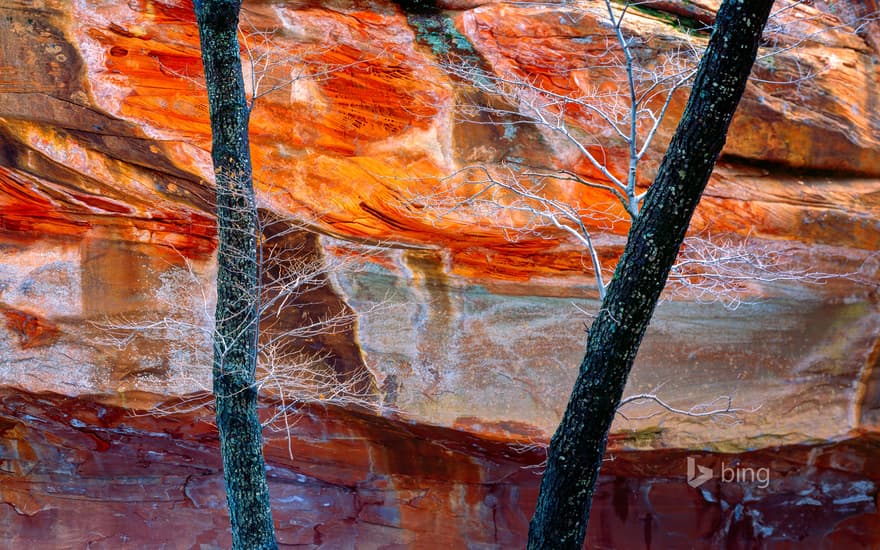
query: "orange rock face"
469, 321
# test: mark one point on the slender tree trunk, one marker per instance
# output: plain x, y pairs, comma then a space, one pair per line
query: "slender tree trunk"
577, 448
236, 317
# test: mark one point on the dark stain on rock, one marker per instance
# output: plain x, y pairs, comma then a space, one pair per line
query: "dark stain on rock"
32, 330
287, 248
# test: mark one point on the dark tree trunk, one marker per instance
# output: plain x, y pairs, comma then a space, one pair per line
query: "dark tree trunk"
236, 317
577, 447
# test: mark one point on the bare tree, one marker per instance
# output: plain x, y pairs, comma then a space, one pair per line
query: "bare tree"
577, 447
236, 315
623, 115
608, 136
257, 343
612, 130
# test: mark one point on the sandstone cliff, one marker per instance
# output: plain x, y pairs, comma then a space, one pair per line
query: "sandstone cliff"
468, 332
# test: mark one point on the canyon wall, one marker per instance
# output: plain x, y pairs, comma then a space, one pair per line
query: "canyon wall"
464, 327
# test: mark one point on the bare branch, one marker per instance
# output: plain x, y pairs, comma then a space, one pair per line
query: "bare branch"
727, 411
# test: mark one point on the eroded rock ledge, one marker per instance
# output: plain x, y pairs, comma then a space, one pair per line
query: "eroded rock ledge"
88, 471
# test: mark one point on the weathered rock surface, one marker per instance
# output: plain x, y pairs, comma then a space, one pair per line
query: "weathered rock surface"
470, 332
89, 473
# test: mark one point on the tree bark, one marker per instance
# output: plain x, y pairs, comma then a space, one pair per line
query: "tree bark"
236, 315
578, 446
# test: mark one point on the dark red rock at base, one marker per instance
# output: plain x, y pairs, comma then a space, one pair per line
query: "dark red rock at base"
90, 473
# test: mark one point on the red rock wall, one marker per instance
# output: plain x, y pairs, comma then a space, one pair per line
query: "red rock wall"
94, 474
106, 219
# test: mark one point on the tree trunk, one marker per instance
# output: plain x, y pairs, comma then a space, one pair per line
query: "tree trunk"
577, 448
236, 317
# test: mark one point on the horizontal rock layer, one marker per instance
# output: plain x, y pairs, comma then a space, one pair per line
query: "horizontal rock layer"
92, 472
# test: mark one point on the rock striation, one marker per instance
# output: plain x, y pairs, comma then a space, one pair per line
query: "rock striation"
464, 327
